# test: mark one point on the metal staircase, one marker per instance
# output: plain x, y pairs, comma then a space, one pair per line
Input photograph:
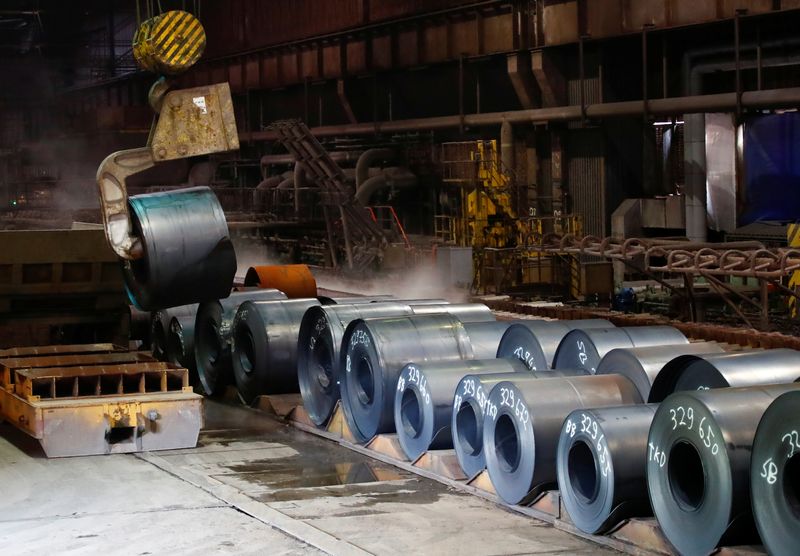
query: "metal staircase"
349, 224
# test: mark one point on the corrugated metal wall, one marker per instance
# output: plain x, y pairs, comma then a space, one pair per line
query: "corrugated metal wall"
586, 178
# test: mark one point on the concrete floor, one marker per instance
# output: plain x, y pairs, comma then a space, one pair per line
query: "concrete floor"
252, 486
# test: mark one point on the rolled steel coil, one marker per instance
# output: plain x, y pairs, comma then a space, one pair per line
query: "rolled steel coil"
602, 465
427, 395
212, 344
698, 465
523, 421
775, 475
187, 257
585, 348
295, 280
535, 341
320, 341
159, 328
747, 368
264, 346
373, 353
180, 344
642, 365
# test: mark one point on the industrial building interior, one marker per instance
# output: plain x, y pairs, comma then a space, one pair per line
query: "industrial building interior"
400, 277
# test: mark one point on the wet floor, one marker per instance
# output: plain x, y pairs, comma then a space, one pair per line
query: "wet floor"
252, 485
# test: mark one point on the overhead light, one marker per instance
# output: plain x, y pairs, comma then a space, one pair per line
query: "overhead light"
679, 122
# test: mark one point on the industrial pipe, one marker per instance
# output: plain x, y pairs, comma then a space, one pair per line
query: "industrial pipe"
212, 345
295, 280
747, 368
373, 353
367, 160
391, 177
193, 258
320, 342
642, 364
523, 421
698, 465
602, 465
264, 346
535, 341
584, 349
775, 475
723, 102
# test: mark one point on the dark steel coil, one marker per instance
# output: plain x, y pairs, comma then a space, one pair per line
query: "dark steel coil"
424, 402
523, 421
373, 353
585, 348
642, 364
775, 475
745, 368
188, 255
264, 346
320, 341
602, 465
180, 344
159, 328
698, 465
535, 341
212, 345
140, 325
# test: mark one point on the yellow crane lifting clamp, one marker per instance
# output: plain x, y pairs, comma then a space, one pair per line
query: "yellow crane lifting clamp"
169, 43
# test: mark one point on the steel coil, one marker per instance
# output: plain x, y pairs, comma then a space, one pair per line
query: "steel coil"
140, 325
698, 466
295, 280
535, 341
522, 425
320, 341
212, 345
747, 368
187, 257
775, 475
602, 465
373, 353
264, 346
160, 325
642, 364
585, 348
180, 344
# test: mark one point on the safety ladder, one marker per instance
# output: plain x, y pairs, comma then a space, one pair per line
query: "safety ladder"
349, 224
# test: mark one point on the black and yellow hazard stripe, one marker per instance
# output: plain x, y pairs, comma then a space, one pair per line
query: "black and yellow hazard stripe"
793, 240
169, 43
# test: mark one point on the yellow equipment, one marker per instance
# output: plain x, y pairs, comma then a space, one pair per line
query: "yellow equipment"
169, 43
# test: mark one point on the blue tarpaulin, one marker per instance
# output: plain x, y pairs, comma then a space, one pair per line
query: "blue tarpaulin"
771, 169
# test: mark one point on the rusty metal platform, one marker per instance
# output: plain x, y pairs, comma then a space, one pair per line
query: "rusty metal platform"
98, 399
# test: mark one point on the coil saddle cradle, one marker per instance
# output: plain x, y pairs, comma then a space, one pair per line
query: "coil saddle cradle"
174, 246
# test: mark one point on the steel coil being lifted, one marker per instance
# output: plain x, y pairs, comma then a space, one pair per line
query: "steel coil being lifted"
775, 475
212, 345
535, 341
374, 351
602, 465
160, 325
193, 258
583, 349
320, 341
295, 280
642, 364
264, 346
748, 368
698, 467
523, 422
